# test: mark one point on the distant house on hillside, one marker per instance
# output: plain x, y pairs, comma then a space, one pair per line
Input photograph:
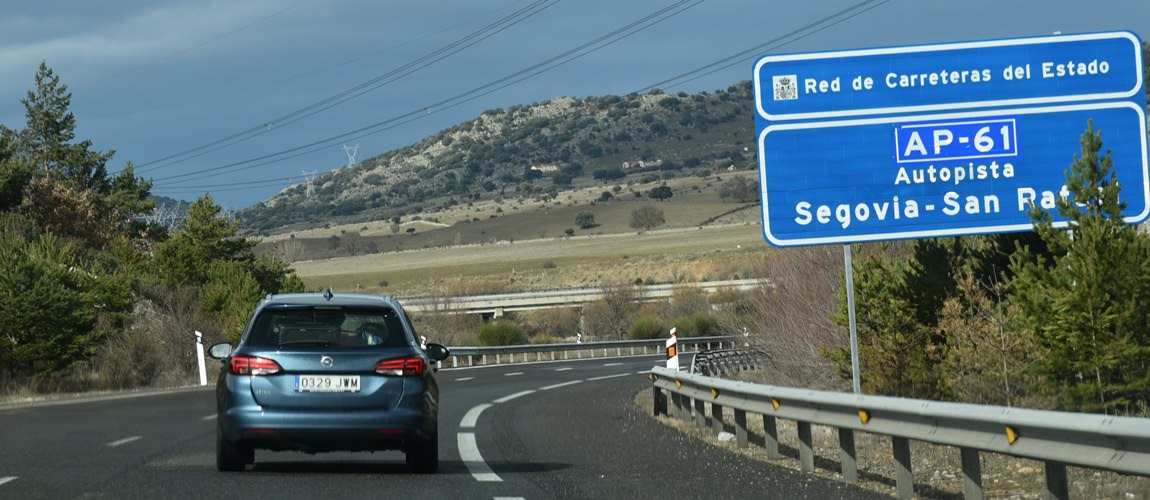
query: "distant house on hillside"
641, 163
545, 167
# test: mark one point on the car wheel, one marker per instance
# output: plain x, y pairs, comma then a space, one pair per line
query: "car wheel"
232, 456
423, 457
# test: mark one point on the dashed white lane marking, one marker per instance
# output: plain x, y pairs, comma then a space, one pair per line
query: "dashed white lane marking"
124, 441
6, 480
563, 369
605, 377
564, 384
505, 399
469, 452
464, 379
612, 364
209, 417
471, 419
512, 374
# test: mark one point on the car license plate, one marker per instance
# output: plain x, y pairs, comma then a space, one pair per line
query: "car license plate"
327, 383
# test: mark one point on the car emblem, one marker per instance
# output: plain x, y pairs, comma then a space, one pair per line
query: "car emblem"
326, 361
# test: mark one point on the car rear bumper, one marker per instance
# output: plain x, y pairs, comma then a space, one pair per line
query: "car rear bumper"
323, 431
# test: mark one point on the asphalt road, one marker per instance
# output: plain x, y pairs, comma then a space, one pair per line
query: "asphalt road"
533, 431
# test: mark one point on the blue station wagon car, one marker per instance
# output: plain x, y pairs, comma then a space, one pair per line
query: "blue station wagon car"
328, 372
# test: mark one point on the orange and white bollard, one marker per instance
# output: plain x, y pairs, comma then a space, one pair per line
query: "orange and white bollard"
673, 351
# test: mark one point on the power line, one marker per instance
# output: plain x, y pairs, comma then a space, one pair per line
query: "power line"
405, 70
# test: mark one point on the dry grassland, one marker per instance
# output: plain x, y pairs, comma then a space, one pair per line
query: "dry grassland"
669, 255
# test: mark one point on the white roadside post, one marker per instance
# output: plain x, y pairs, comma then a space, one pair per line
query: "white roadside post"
200, 358
673, 351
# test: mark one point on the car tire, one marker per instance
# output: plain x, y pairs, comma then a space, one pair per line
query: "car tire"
231, 456
423, 457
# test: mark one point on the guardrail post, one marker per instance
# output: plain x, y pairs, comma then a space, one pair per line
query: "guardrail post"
904, 477
1056, 486
717, 418
659, 401
771, 437
971, 474
806, 447
700, 413
741, 428
682, 410
847, 455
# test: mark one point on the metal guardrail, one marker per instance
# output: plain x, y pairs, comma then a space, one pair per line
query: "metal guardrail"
481, 356
725, 362
1059, 439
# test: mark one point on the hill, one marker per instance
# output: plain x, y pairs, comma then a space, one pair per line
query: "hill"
527, 152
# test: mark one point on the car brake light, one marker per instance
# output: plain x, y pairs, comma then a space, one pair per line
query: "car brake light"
413, 366
253, 365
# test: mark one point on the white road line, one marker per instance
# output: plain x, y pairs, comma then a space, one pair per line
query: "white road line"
469, 452
564, 384
6, 480
471, 419
512, 374
126, 440
644, 372
464, 379
505, 399
605, 377
612, 364
562, 369
209, 417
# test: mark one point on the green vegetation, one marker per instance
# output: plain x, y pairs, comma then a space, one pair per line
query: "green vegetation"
647, 218
91, 290
501, 332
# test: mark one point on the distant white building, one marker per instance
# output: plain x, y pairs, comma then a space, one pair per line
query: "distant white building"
545, 167
641, 163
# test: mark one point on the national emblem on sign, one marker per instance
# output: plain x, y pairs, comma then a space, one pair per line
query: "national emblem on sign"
786, 87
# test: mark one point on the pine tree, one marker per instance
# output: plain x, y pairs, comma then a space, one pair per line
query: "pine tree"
1085, 305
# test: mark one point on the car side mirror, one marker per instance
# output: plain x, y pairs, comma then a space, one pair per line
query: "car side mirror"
220, 351
437, 352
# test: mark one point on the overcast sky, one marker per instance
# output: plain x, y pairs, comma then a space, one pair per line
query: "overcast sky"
240, 97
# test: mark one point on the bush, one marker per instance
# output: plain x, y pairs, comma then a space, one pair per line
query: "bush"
697, 325
646, 327
501, 332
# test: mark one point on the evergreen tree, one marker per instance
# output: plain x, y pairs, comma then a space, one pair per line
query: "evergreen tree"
1085, 304
203, 237
897, 353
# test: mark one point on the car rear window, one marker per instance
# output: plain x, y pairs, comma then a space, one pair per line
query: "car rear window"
312, 327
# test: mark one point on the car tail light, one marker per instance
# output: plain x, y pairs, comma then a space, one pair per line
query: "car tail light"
253, 365
412, 366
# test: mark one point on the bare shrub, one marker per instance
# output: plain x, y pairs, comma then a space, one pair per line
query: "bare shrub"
608, 317
557, 323
687, 300
443, 327
791, 317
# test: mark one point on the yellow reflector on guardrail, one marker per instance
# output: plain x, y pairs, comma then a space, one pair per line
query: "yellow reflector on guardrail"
714, 393
864, 416
678, 384
775, 403
1011, 435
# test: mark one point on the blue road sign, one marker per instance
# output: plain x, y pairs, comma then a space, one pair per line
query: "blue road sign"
867, 179
1023, 71
947, 159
